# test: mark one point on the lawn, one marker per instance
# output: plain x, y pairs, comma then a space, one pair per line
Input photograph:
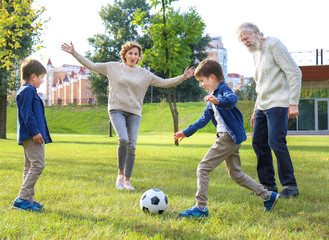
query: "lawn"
81, 202
156, 117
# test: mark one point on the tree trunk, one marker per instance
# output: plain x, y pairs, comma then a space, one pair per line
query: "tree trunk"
172, 102
3, 115
174, 112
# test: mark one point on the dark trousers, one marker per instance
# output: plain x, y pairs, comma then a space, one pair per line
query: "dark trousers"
270, 131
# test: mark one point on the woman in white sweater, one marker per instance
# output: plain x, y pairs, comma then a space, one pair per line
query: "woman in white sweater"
128, 84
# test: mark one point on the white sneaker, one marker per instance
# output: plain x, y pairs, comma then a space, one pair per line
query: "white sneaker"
119, 184
128, 186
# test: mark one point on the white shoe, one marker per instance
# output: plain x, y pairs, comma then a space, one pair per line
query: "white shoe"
128, 186
119, 184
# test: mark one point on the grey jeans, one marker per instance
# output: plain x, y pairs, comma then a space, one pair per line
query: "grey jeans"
226, 150
126, 126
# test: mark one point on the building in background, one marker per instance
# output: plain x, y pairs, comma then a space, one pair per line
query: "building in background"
216, 51
67, 85
313, 105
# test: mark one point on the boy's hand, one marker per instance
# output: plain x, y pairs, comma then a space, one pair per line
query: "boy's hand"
189, 72
37, 139
179, 135
68, 48
211, 98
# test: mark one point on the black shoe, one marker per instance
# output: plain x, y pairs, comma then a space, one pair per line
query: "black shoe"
287, 193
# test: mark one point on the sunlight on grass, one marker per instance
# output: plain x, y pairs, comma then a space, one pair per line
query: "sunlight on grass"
81, 202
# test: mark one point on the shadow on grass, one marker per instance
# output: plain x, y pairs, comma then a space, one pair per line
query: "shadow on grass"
148, 229
84, 143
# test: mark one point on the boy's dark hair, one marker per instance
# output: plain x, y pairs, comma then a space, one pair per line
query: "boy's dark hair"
207, 67
31, 66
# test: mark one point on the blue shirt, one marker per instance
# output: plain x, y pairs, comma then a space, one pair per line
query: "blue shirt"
231, 115
31, 118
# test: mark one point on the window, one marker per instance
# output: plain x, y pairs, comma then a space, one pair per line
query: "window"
87, 94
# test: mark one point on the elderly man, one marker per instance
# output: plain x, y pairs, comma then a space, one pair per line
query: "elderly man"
278, 83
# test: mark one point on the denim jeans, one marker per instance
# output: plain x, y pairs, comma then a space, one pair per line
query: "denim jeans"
126, 126
270, 131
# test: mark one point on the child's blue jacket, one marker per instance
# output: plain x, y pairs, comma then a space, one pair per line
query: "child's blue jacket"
31, 118
231, 115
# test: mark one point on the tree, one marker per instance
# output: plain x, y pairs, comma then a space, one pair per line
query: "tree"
117, 19
188, 91
19, 32
251, 90
172, 34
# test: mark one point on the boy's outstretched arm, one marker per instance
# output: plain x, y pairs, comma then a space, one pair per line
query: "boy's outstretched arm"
179, 135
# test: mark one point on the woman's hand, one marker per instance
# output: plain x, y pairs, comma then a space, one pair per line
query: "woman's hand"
189, 72
68, 48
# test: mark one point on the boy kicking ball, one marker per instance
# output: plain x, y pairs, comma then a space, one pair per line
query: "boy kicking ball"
32, 132
228, 121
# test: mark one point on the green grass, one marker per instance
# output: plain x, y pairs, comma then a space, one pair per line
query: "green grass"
156, 118
81, 202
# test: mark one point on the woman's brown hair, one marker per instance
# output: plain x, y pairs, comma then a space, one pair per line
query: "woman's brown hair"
127, 46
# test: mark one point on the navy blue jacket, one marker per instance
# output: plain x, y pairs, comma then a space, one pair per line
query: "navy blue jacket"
231, 115
31, 118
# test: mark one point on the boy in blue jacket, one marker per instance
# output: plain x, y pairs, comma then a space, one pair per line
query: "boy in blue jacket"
228, 121
32, 132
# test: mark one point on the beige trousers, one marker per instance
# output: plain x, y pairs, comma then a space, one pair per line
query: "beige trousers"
34, 155
224, 149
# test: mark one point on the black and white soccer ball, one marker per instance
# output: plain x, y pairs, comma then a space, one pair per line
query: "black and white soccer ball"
154, 201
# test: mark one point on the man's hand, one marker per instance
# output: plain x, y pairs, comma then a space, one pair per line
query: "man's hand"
293, 111
252, 120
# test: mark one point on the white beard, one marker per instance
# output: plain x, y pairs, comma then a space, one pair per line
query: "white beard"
255, 46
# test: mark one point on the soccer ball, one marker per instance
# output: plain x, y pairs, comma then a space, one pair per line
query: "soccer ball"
154, 201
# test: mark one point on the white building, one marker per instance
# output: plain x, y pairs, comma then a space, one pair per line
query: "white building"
217, 52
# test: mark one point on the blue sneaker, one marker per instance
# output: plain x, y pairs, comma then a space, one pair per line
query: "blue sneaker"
271, 201
24, 205
38, 205
194, 212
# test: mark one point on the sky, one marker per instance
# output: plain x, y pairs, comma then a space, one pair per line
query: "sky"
301, 26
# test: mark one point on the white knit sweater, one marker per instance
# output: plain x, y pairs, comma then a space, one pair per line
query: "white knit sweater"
127, 86
278, 78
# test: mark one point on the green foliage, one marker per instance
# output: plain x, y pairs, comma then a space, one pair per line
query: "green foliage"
19, 33
249, 92
19, 30
119, 29
171, 51
81, 202
314, 93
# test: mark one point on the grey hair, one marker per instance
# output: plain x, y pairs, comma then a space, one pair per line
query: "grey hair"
250, 28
